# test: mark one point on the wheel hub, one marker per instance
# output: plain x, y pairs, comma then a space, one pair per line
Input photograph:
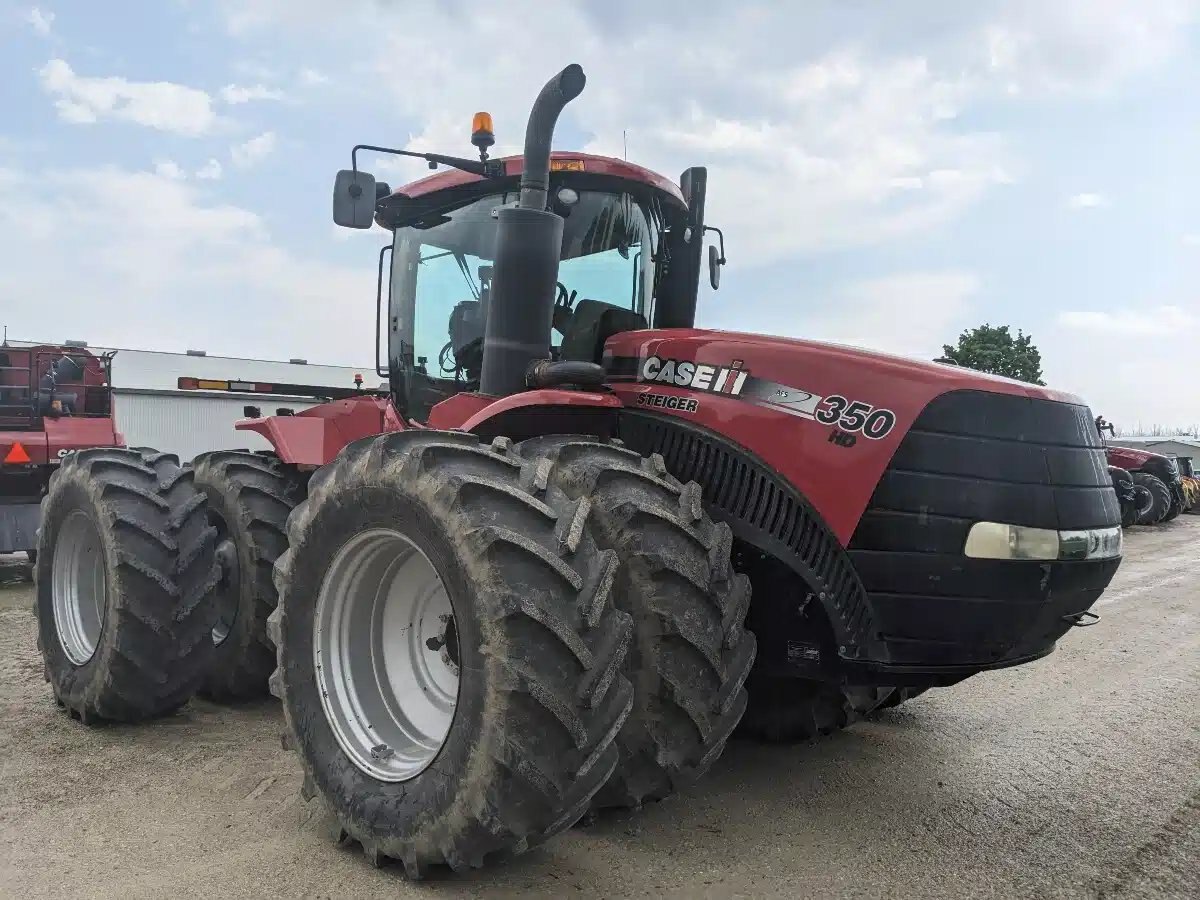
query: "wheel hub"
386, 655
1143, 499
80, 587
229, 587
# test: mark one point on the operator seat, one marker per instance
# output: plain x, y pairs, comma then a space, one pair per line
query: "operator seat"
592, 323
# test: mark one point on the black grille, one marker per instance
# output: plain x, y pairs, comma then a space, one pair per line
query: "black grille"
762, 509
975, 456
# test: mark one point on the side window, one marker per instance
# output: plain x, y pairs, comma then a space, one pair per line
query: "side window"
444, 280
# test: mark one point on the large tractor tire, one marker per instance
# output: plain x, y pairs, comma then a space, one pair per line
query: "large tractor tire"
691, 652
789, 710
250, 496
449, 654
1176, 506
1156, 502
124, 585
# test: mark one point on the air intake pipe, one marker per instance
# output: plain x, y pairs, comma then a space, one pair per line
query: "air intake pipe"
528, 244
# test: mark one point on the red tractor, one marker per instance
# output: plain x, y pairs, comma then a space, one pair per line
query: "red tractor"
516, 584
1158, 488
54, 400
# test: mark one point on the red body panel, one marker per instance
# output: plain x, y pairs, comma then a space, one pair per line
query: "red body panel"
314, 436
548, 399
515, 165
837, 479
1129, 458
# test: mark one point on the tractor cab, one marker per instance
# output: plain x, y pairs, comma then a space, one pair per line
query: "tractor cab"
619, 222
628, 258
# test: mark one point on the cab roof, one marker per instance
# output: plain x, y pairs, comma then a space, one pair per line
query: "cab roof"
515, 165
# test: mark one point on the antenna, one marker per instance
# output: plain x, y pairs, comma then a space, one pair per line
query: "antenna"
625, 146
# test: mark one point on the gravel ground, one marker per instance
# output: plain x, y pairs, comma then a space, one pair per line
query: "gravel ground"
1076, 776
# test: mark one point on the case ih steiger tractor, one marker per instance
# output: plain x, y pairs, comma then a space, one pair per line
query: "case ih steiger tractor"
517, 583
54, 400
1158, 489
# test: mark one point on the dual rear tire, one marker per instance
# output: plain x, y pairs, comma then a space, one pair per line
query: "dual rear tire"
123, 585
473, 644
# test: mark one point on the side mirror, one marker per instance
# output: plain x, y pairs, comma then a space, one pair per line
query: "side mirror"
715, 261
354, 198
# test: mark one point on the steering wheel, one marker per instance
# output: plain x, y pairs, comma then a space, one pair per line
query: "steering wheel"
563, 299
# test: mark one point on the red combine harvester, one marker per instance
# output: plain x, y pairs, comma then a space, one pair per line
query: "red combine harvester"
54, 400
576, 540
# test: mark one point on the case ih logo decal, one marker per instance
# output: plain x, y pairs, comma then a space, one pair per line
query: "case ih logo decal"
849, 417
684, 373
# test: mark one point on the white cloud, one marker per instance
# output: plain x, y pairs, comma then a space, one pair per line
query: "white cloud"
161, 105
1130, 365
910, 313
210, 171
847, 149
312, 77
168, 169
235, 94
41, 21
169, 267
1087, 201
254, 150
1143, 322
1080, 45
1192, 239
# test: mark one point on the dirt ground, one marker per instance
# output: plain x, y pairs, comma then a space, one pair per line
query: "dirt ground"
1076, 776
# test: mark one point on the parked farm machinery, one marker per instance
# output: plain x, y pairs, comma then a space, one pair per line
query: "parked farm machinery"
577, 541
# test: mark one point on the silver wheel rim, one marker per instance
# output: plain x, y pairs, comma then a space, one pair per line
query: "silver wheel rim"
385, 650
79, 586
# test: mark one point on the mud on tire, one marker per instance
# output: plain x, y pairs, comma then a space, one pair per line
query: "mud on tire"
250, 496
123, 585
539, 645
691, 653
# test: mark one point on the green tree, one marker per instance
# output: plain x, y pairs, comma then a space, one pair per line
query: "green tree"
993, 349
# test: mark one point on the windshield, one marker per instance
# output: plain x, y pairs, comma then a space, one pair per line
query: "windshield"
441, 272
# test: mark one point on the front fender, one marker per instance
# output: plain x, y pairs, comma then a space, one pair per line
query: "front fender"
313, 437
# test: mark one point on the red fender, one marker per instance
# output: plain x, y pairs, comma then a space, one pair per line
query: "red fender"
314, 436
472, 412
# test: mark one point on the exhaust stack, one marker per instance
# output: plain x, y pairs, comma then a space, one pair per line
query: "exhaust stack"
528, 244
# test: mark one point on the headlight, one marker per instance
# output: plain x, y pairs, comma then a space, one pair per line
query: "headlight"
995, 540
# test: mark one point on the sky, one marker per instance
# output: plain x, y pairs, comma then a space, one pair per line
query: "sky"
886, 174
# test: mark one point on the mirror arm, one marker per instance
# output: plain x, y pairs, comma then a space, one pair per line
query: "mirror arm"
489, 169
721, 238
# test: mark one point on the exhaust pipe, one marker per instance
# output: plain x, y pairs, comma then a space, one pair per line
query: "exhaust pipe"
539, 132
528, 244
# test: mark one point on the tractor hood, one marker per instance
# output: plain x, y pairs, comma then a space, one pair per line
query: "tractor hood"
1129, 458
789, 356
828, 418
